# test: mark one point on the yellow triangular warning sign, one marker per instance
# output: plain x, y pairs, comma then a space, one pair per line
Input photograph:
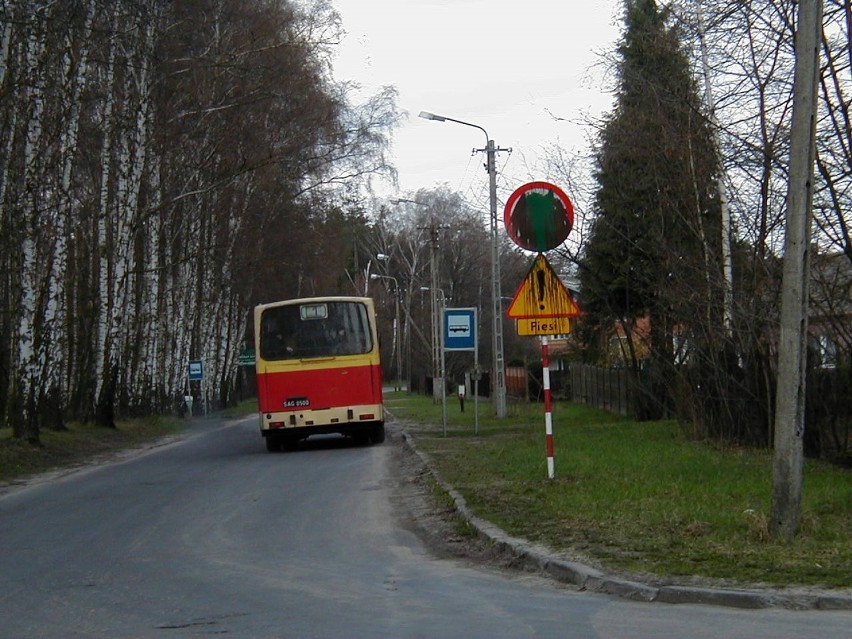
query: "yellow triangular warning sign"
542, 294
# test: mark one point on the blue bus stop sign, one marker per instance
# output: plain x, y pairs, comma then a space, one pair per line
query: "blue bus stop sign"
196, 370
459, 329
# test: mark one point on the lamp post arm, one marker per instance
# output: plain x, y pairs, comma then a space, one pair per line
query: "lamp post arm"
426, 115
475, 126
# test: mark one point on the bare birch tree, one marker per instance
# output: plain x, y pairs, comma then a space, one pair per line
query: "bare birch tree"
153, 156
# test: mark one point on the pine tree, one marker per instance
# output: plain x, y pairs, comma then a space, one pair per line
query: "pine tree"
653, 248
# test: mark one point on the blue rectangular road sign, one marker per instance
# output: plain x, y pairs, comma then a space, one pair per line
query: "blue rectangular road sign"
196, 369
459, 331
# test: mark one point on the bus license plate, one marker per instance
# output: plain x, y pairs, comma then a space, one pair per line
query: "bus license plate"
296, 402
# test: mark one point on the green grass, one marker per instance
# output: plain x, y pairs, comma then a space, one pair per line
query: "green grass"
640, 497
83, 442
78, 444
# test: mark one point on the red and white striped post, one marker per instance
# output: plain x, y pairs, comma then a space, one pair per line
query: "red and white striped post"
548, 408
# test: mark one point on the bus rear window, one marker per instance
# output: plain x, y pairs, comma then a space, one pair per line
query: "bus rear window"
299, 331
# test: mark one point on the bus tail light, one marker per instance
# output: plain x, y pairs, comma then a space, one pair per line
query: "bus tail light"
367, 417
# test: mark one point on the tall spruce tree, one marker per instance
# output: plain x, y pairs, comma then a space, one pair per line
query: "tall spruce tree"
653, 251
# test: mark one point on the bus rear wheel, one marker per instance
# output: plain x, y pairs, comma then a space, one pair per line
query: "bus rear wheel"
378, 434
273, 444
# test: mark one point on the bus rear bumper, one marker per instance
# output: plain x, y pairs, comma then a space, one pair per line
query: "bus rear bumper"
331, 420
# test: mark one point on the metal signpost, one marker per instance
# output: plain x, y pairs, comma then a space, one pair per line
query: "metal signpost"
195, 373
459, 334
538, 217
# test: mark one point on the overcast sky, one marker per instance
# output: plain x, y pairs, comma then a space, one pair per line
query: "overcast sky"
513, 68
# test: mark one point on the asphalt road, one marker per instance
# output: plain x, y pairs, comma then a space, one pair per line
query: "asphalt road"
213, 536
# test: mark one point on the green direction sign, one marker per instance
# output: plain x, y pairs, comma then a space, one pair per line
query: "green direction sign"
246, 358
538, 216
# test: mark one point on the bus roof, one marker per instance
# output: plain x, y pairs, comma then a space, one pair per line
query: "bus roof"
314, 300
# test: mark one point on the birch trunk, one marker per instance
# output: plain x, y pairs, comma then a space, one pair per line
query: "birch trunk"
5, 39
104, 363
152, 380
57, 357
24, 390
727, 260
10, 215
128, 321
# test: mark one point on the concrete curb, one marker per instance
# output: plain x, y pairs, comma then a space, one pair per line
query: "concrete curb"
592, 580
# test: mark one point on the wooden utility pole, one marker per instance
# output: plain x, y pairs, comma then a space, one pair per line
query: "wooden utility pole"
792, 344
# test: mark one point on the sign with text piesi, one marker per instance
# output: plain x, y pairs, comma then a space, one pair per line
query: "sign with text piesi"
545, 326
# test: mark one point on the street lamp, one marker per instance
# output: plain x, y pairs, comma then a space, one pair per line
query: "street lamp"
397, 333
499, 381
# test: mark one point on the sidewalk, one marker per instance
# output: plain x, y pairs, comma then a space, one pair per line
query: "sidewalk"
587, 578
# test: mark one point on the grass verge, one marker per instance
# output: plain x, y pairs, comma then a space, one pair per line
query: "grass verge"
636, 496
84, 442
79, 444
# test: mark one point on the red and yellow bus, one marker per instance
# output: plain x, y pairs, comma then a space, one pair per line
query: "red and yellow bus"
318, 370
